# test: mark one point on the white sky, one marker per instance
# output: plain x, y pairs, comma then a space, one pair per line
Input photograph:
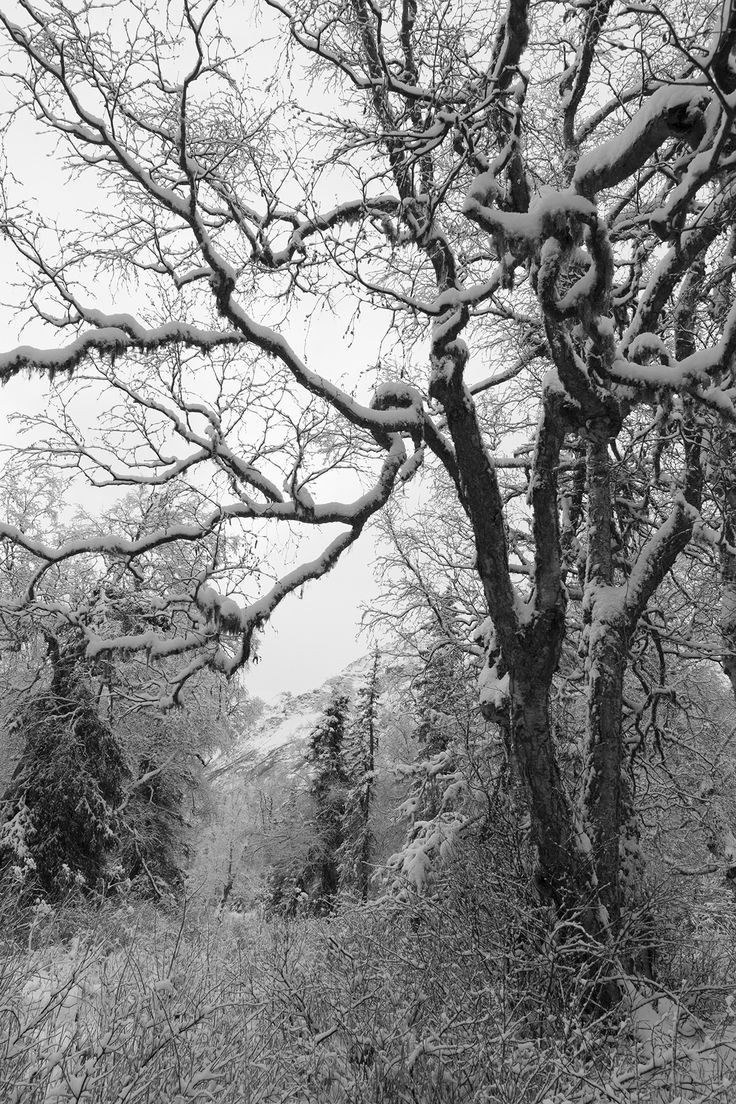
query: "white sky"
311, 638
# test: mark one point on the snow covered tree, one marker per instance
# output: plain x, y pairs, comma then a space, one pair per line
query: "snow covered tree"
163, 754
59, 821
306, 874
443, 717
456, 774
329, 787
356, 850
532, 246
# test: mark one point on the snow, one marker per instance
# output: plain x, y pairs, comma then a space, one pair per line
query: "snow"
648, 344
454, 355
396, 393
552, 209
693, 370
607, 165
299, 724
493, 690
156, 646
607, 609
720, 400
304, 498
699, 171
110, 339
275, 344
115, 334
435, 839
251, 475
635, 585
120, 545
606, 602
222, 609
60, 993
14, 835
452, 315
341, 214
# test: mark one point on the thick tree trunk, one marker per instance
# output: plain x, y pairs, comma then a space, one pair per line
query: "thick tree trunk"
530, 642
611, 614
565, 874
609, 811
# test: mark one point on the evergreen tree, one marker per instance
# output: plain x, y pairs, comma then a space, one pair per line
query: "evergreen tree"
452, 776
310, 876
330, 783
360, 757
59, 819
285, 888
441, 709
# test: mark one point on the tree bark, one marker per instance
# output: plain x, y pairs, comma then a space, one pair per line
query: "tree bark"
728, 557
607, 649
565, 875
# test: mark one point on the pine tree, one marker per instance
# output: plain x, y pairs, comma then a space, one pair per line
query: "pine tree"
330, 783
310, 880
360, 756
285, 889
440, 709
59, 820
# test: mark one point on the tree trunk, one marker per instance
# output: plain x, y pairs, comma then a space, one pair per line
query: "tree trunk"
606, 663
607, 650
728, 558
565, 874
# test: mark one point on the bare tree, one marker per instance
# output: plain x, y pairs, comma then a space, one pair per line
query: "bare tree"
547, 190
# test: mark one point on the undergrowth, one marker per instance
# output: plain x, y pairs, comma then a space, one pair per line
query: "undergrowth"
459, 996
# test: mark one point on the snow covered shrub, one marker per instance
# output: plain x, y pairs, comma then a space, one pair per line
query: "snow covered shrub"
134, 1007
409, 1001
699, 949
445, 1000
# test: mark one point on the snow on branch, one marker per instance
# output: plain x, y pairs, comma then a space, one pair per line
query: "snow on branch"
551, 213
673, 110
218, 629
111, 340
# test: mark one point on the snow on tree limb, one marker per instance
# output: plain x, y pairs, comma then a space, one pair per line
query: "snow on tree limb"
673, 110
112, 340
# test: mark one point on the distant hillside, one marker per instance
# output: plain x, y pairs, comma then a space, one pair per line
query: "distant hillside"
276, 744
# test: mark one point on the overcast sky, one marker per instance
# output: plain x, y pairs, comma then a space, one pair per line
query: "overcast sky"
314, 637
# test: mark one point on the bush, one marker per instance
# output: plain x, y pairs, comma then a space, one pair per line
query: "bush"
470, 994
